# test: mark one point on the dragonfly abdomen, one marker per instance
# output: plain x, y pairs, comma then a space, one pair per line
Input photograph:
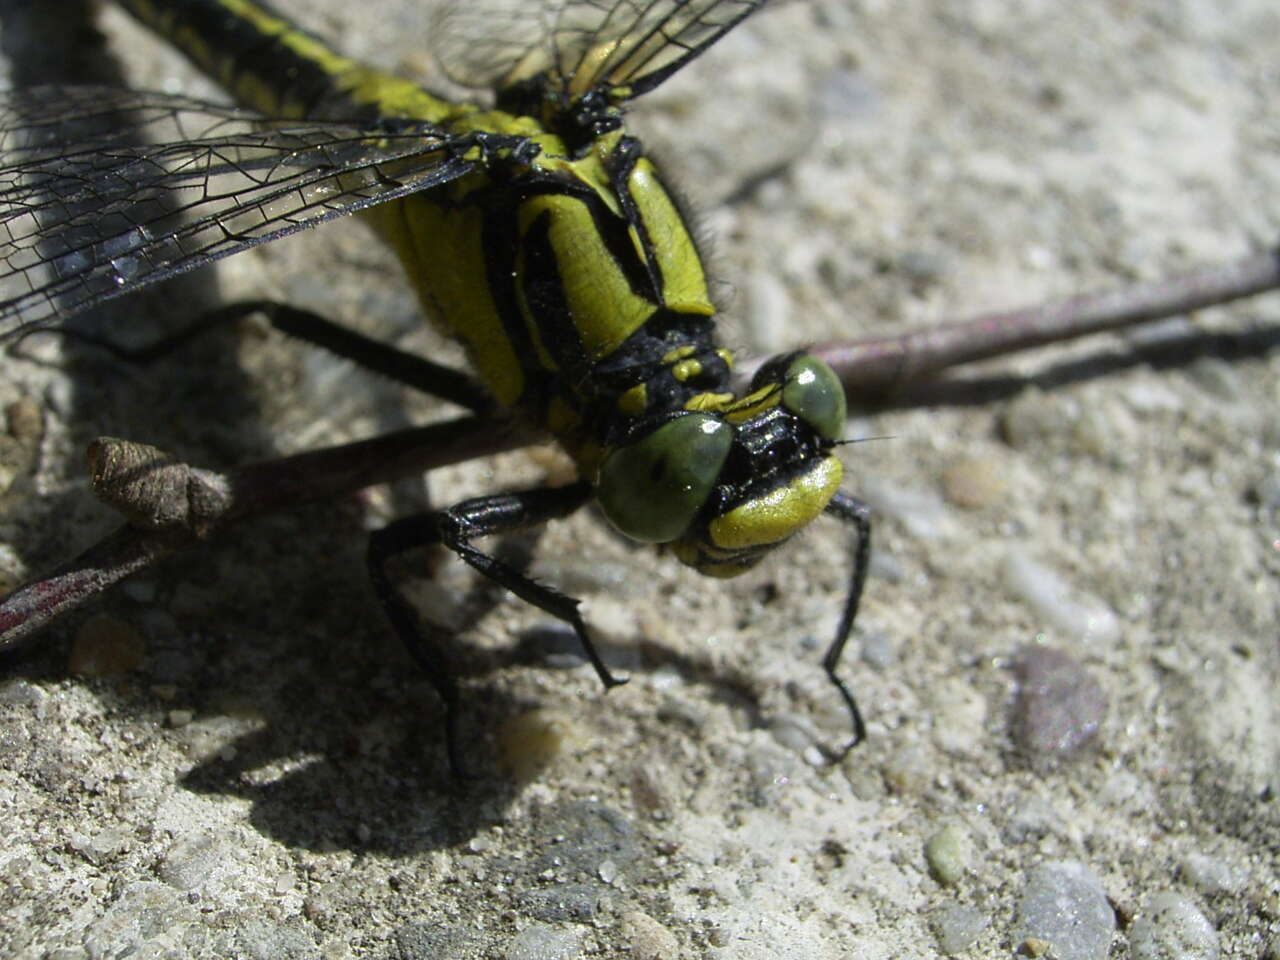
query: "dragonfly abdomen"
270, 65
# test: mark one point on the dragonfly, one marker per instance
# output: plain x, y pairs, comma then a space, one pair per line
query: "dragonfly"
535, 231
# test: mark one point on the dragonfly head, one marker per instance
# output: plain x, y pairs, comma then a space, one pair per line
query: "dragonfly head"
726, 483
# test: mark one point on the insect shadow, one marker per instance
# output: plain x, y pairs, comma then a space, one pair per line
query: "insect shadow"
228, 627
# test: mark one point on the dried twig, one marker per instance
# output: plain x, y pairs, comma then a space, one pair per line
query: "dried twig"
171, 505
876, 368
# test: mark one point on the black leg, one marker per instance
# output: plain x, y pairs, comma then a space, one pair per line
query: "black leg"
853, 511
455, 528
407, 368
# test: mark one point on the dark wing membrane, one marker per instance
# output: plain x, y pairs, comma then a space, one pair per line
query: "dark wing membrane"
104, 191
582, 44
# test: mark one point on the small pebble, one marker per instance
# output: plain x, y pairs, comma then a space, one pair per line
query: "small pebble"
1034, 418
1210, 875
542, 942
649, 939
793, 732
909, 772
945, 854
1075, 614
531, 742
1154, 397
1031, 819
103, 845
145, 920
1171, 927
651, 786
974, 483
958, 927
1059, 708
563, 903
921, 512
189, 863
1064, 905
921, 269
878, 650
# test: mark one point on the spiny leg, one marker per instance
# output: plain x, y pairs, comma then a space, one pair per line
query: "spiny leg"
854, 511
455, 528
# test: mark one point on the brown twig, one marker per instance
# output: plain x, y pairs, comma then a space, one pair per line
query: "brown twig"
171, 505
874, 369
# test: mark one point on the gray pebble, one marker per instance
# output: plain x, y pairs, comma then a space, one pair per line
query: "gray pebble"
584, 836
1171, 927
1033, 418
921, 512
430, 941
1210, 875
1059, 708
1063, 904
102, 845
878, 650
541, 942
1031, 819
566, 902
957, 927
262, 940
1073, 613
188, 864
147, 919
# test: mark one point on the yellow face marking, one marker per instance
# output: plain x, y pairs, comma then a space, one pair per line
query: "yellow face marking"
780, 512
711, 562
709, 402
754, 404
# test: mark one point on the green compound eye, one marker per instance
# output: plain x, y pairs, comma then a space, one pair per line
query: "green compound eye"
652, 489
813, 392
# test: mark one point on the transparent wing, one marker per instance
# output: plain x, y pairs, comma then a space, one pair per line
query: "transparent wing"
581, 44
103, 191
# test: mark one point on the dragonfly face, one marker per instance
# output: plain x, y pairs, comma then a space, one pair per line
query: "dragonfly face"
727, 486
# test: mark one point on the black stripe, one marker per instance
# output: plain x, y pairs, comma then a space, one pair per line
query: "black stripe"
501, 244
266, 58
543, 291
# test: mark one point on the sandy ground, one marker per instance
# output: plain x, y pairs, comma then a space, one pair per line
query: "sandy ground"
265, 777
